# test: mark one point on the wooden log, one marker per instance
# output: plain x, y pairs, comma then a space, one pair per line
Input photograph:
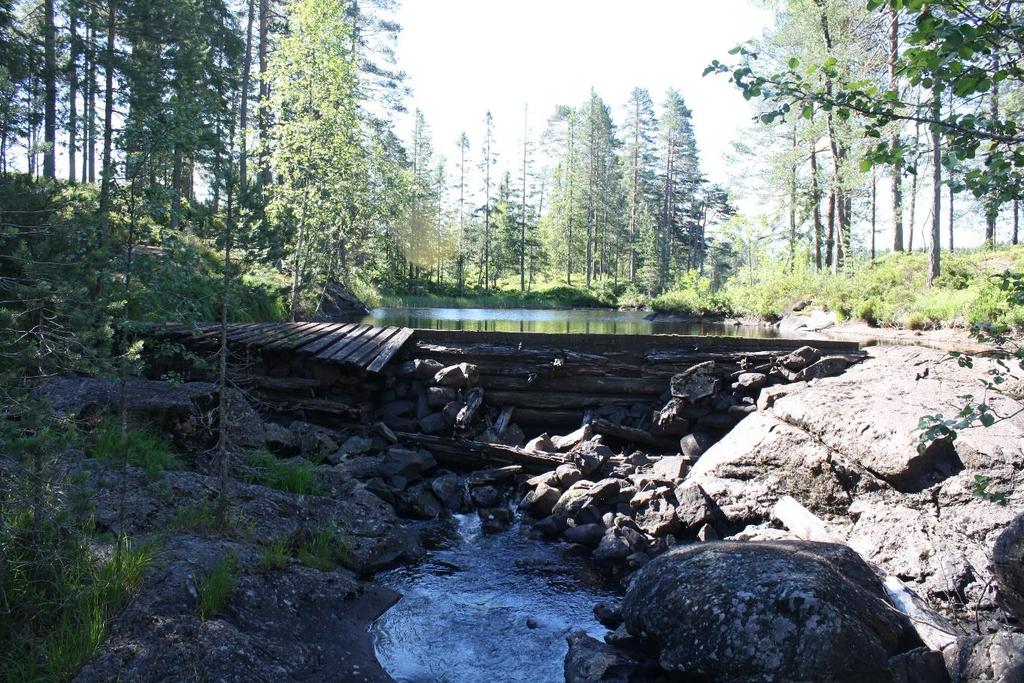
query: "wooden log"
475, 454
501, 424
933, 629
325, 406
388, 351
276, 383
474, 401
633, 435
556, 400
547, 418
243, 337
803, 523
601, 384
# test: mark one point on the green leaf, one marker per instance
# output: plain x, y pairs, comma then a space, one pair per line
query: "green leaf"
794, 63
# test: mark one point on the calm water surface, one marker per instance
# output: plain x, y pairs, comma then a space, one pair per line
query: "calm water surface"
464, 611
575, 321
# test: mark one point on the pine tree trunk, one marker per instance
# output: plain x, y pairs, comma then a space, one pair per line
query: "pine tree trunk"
897, 167
72, 88
992, 205
951, 220
264, 118
792, 208
91, 124
816, 201
50, 87
830, 235
934, 248
243, 117
108, 109
874, 212
1016, 215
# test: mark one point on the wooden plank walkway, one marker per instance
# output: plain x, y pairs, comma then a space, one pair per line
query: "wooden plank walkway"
362, 346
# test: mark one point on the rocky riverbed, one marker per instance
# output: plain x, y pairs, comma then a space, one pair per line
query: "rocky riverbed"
718, 581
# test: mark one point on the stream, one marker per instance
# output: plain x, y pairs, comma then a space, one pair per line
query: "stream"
570, 321
493, 608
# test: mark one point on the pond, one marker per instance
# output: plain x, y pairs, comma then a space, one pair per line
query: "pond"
574, 321
492, 608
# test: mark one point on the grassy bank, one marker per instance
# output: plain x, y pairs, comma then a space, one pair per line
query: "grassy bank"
890, 291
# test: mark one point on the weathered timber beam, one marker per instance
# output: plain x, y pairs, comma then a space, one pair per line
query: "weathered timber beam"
465, 453
631, 434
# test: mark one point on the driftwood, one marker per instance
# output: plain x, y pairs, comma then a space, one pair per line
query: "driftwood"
933, 629
465, 453
633, 435
573, 383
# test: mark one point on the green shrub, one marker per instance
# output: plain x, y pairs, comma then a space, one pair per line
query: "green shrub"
297, 477
216, 587
145, 449
324, 550
693, 295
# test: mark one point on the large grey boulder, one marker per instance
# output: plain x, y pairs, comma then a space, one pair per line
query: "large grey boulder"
695, 383
756, 611
1008, 565
996, 658
591, 661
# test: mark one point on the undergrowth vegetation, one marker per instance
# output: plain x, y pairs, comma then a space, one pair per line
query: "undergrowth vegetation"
324, 550
60, 593
142, 448
890, 291
216, 587
292, 477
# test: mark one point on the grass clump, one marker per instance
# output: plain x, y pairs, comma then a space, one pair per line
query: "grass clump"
274, 556
199, 518
217, 586
60, 595
324, 550
294, 477
142, 448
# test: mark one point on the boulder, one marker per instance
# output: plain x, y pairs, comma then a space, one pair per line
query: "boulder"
766, 611
829, 366
485, 496
356, 445
420, 368
801, 358
751, 381
609, 614
589, 456
438, 397
766, 399
574, 501
540, 444
699, 381
693, 445
420, 502
541, 501
1008, 565
494, 520
434, 423
671, 467
591, 661
669, 421
695, 509
461, 376
585, 534
658, 517
998, 657
568, 474
448, 489
582, 434
409, 463
612, 548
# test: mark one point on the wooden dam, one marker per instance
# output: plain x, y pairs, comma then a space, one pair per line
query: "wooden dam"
523, 384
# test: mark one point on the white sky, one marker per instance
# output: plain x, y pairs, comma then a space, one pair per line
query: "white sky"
465, 57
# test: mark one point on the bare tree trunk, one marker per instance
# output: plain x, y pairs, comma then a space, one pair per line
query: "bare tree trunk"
935, 247
522, 214
1016, 214
264, 119
50, 87
72, 88
816, 201
90, 173
897, 167
951, 219
831, 234
874, 211
792, 206
992, 203
243, 122
108, 109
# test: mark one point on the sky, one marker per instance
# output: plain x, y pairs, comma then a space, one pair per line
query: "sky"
465, 57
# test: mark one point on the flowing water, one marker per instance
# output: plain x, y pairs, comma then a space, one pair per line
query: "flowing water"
575, 321
493, 608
